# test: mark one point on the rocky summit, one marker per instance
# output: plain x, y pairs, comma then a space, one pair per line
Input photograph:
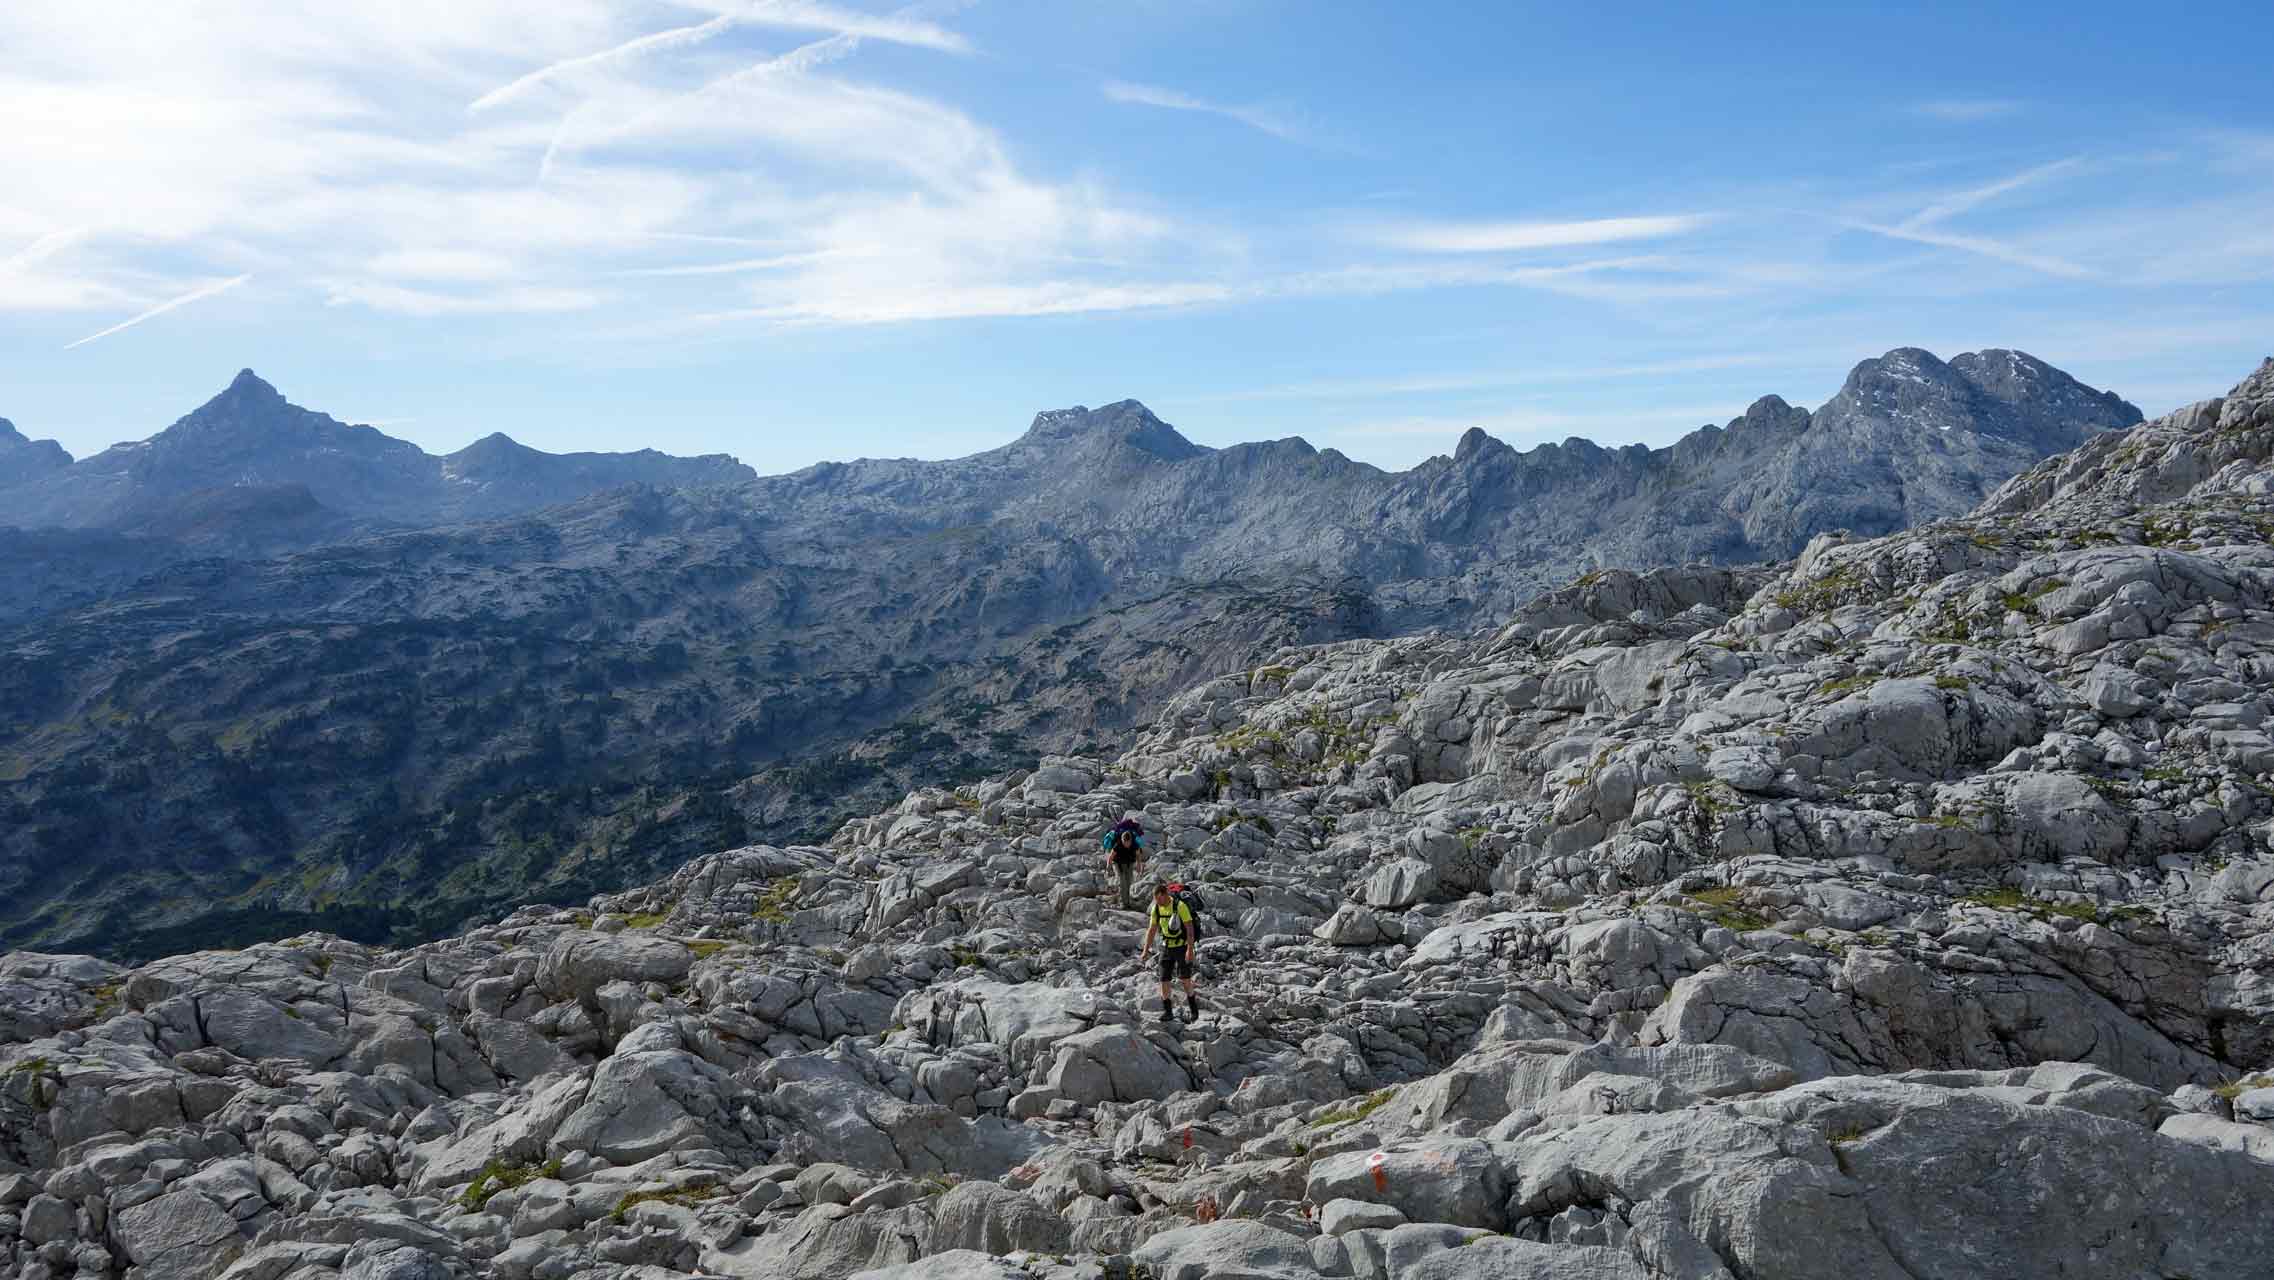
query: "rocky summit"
1904, 911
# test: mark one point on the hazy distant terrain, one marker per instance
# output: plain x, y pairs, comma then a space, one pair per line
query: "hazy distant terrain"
272, 669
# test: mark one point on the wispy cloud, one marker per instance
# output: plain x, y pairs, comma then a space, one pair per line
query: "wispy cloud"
1959, 202
843, 25
874, 286
1437, 384
1924, 226
1982, 245
1503, 237
1261, 119
907, 26
701, 167
183, 300
442, 264
735, 267
1965, 110
426, 303
700, 110
974, 301
657, 42
40, 250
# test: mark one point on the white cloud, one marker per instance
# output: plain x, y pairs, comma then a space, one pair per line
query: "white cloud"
733, 267
1535, 375
40, 250
1983, 245
566, 68
181, 146
516, 299
890, 278
844, 27
720, 161
1504, 237
1959, 202
1257, 118
907, 26
195, 295
1965, 110
967, 301
1923, 226
443, 264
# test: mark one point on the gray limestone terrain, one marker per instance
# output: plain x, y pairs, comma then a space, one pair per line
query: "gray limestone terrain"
279, 676
1900, 911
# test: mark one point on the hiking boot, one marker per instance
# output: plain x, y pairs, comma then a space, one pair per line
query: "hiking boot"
1192, 1007
1168, 1013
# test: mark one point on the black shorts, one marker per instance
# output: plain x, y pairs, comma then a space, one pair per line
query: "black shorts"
1176, 962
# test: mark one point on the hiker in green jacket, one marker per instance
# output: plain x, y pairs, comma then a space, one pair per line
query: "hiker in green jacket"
1171, 920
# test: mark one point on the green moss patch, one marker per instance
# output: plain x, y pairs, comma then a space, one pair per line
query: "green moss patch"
685, 1196
498, 1176
1373, 1103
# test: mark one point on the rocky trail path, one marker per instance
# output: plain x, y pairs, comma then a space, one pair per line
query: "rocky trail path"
1903, 911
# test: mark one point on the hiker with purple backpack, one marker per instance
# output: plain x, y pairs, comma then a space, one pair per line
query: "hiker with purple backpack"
1124, 853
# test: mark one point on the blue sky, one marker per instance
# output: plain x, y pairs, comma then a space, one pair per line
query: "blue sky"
801, 230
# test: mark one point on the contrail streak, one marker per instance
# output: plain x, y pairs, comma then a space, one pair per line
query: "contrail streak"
162, 308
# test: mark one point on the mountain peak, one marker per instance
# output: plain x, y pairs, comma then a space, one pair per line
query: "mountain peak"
22, 458
1914, 365
248, 385
246, 400
495, 444
1474, 441
1125, 421
2020, 379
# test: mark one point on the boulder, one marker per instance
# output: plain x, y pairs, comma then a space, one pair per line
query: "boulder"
1061, 777
1401, 884
1502, 1258
989, 1218
577, 965
1227, 1251
955, 1264
641, 1105
1354, 925
178, 1236
826, 1242
1114, 1064
1340, 1217
1455, 1180
395, 1262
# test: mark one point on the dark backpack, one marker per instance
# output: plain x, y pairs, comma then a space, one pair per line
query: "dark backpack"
1190, 897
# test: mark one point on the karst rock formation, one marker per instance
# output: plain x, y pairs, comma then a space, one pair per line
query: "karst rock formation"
1902, 911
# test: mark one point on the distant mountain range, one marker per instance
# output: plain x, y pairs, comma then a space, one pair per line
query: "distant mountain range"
250, 437
275, 671
1909, 438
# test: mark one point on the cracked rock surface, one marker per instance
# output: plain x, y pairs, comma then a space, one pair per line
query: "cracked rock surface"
1905, 910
